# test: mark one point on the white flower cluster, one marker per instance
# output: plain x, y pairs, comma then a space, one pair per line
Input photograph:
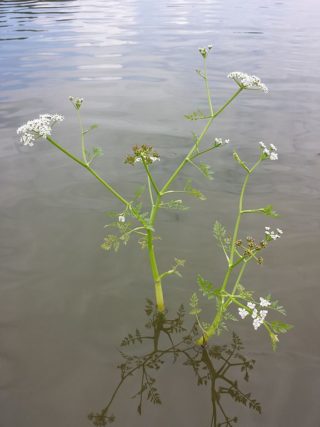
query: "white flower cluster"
257, 316
122, 218
152, 158
248, 82
38, 128
220, 141
271, 152
272, 234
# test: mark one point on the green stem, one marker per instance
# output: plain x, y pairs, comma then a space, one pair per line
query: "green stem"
196, 144
207, 87
150, 192
94, 173
155, 273
83, 148
218, 317
236, 228
149, 175
200, 153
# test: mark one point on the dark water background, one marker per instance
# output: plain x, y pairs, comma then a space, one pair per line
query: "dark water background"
65, 305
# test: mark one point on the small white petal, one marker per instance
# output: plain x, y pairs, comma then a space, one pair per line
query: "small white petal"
251, 305
122, 218
263, 314
243, 313
264, 302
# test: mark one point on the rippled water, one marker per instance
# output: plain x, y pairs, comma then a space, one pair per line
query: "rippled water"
65, 305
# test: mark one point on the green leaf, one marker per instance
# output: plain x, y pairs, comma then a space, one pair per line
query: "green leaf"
229, 316
97, 152
220, 234
274, 340
276, 306
174, 204
139, 191
193, 191
195, 115
206, 170
280, 327
219, 231
194, 304
268, 210
94, 126
207, 288
111, 242
244, 293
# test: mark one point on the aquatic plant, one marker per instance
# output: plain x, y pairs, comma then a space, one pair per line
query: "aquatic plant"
136, 219
238, 254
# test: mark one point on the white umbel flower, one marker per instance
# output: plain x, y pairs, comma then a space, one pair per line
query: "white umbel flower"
243, 312
122, 218
38, 128
257, 323
262, 145
154, 159
248, 82
269, 152
271, 235
220, 141
264, 302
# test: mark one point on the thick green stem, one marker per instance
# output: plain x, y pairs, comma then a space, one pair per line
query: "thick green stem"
155, 273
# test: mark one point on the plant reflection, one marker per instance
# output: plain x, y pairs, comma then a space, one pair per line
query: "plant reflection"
214, 366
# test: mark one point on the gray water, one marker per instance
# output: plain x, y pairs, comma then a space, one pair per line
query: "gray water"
66, 305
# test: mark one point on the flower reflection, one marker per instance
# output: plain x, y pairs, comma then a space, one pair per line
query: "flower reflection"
214, 366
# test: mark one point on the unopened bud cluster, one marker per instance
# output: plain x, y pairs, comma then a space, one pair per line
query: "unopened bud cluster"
76, 102
205, 50
143, 152
251, 247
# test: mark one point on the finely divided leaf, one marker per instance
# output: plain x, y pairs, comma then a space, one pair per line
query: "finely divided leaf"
174, 204
206, 170
195, 115
280, 327
194, 304
193, 191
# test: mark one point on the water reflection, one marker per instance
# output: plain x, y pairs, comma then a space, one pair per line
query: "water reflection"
165, 340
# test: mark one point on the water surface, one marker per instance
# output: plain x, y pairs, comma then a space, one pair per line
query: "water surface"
65, 305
